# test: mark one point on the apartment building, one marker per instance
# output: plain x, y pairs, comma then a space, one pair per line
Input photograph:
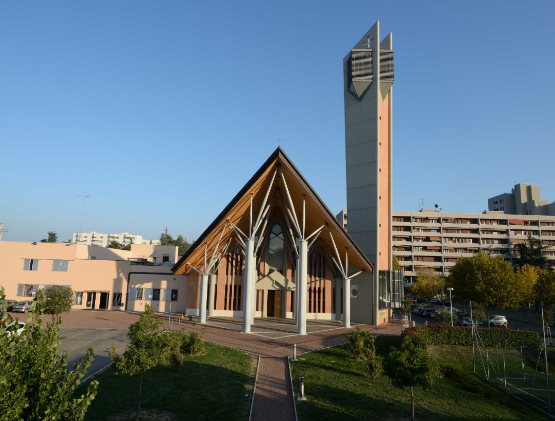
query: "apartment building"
101, 278
430, 239
95, 238
524, 199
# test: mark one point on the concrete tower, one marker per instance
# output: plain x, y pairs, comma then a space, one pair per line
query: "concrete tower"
368, 80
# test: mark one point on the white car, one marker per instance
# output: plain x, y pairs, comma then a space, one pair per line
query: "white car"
15, 327
497, 321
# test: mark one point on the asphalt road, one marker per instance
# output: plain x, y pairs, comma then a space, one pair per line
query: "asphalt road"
77, 340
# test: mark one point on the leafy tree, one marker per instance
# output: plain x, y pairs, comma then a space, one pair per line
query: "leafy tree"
428, 283
443, 316
148, 348
58, 300
487, 280
411, 366
478, 313
52, 237
35, 383
166, 239
182, 245
532, 254
527, 278
406, 307
395, 264
115, 245
544, 291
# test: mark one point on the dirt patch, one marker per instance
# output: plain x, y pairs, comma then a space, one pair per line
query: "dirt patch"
146, 415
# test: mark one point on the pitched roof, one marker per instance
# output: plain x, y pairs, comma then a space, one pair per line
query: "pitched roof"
237, 211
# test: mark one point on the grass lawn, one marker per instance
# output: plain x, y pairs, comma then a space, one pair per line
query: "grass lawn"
215, 386
337, 388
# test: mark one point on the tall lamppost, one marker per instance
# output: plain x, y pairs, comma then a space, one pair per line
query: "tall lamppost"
451, 302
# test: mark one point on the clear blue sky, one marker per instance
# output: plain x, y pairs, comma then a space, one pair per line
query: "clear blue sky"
162, 111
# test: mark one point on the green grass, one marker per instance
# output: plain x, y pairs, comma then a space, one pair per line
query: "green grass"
208, 387
337, 388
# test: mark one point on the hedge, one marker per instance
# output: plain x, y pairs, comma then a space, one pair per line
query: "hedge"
462, 335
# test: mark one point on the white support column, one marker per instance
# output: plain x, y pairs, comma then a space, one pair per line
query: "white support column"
248, 287
203, 298
303, 267
346, 302
211, 295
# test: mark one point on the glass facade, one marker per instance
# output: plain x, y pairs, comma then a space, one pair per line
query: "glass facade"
391, 288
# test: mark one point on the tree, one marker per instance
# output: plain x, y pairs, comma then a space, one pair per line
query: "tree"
35, 383
428, 283
443, 316
52, 237
58, 300
115, 245
166, 239
490, 281
395, 264
406, 307
544, 291
411, 366
182, 245
527, 278
148, 348
532, 254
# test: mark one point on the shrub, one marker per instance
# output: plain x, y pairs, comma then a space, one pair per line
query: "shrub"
58, 300
460, 335
176, 358
374, 365
444, 317
194, 344
359, 344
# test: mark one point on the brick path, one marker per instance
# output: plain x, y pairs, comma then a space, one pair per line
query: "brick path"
273, 399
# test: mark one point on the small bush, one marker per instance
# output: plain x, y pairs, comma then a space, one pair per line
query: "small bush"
359, 344
460, 335
373, 365
444, 317
176, 358
194, 344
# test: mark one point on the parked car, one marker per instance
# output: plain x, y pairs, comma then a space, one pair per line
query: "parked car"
428, 312
497, 321
15, 327
465, 321
23, 306
9, 305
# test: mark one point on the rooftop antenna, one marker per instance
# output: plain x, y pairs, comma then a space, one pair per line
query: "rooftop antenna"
2, 230
421, 204
85, 197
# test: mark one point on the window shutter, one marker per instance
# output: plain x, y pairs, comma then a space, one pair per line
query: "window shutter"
147, 294
167, 295
64, 264
20, 290
27, 264
46, 287
55, 265
132, 293
35, 264
35, 289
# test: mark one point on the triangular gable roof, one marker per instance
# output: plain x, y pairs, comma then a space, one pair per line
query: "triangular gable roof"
237, 211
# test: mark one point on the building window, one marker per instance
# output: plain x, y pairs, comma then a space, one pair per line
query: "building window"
275, 249
30, 264
156, 294
28, 290
174, 295
78, 298
165, 258
139, 294
116, 301
60, 265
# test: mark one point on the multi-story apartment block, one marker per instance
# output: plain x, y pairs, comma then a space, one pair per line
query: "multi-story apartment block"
94, 238
430, 239
523, 199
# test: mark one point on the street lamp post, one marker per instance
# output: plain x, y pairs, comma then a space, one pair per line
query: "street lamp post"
451, 303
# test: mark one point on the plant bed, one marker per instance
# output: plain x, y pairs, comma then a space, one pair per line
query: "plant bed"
216, 385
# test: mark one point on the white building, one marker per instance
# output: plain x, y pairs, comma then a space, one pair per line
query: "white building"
94, 238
